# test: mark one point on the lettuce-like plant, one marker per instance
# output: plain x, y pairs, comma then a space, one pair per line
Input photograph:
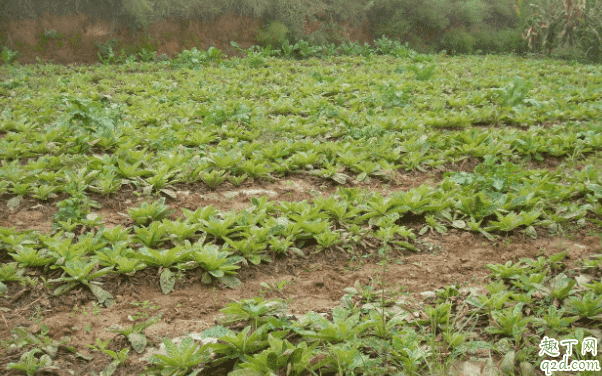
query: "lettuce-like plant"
180, 360
199, 215
32, 257
222, 228
152, 235
116, 234
240, 346
342, 327
178, 231
118, 357
216, 264
161, 176
282, 355
135, 333
250, 249
252, 310
327, 239
29, 364
76, 272
106, 183
213, 178
10, 272
44, 192
255, 168
224, 160
62, 249
155, 211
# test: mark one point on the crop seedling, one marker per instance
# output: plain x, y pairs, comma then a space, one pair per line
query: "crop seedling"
180, 360
76, 272
148, 212
30, 364
252, 310
135, 333
119, 357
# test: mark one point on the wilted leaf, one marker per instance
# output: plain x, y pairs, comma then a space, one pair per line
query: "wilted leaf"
169, 192
340, 178
531, 232
168, 281
110, 369
138, 341
231, 282
13, 202
459, 223
105, 298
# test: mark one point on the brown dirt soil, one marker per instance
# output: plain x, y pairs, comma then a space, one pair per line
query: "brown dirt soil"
79, 34
316, 281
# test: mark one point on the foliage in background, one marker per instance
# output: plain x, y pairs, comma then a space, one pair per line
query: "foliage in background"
404, 20
560, 25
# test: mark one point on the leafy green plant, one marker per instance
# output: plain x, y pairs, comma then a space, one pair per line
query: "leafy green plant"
119, 357
214, 263
195, 59
221, 228
213, 178
76, 208
30, 364
76, 272
180, 360
589, 305
510, 322
152, 235
148, 212
422, 72
558, 287
344, 326
9, 56
280, 356
240, 346
163, 259
275, 34
134, 333
507, 271
147, 55
106, 53
252, 310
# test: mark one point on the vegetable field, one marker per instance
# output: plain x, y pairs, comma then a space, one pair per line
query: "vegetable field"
391, 213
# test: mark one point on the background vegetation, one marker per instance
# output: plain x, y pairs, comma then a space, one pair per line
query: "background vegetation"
562, 28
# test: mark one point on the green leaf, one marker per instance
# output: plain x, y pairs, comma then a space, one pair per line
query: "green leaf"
138, 341
13, 202
273, 361
168, 281
459, 224
105, 298
230, 282
296, 356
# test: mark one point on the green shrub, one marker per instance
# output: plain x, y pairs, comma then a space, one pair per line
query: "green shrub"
486, 40
489, 40
275, 34
458, 41
510, 40
75, 39
9, 56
